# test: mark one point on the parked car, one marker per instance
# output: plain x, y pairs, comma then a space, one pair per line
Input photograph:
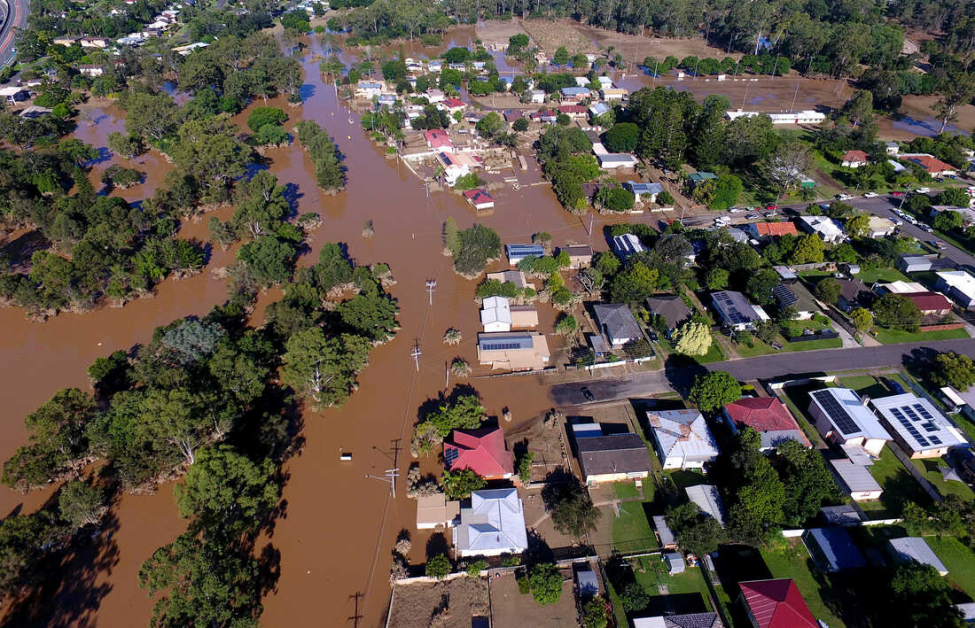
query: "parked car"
587, 394
751, 217
869, 195
938, 244
926, 228
897, 223
770, 214
897, 193
844, 197
772, 207
923, 190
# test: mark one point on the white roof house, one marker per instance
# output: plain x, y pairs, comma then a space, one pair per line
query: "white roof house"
707, 499
825, 227
805, 116
626, 245
496, 314
840, 415
917, 426
857, 480
958, 285
917, 549
682, 438
494, 524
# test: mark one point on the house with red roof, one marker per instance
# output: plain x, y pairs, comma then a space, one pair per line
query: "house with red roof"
543, 115
438, 139
855, 159
761, 230
482, 451
930, 303
931, 165
775, 604
480, 199
451, 105
574, 111
769, 417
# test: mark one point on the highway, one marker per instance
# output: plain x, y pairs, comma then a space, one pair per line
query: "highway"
17, 19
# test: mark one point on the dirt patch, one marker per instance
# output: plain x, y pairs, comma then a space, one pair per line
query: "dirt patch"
636, 48
511, 608
550, 35
450, 604
497, 31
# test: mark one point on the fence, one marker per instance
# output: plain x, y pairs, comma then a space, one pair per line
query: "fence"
829, 335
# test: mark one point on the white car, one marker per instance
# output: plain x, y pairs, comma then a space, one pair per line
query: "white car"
736, 210
897, 222
844, 197
869, 195
751, 217
926, 228
923, 190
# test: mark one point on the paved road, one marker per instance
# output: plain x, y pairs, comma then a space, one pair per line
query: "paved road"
763, 367
17, 19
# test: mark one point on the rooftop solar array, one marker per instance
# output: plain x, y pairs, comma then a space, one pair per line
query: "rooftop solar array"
784, 296
915, 418
450, 456
917, 421
837, 413
728, 305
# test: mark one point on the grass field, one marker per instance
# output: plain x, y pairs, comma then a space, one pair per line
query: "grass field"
930, 470
884, 275
631, 530
794, 562
958, 559
890, 336
686, 592
898, 484
626, 490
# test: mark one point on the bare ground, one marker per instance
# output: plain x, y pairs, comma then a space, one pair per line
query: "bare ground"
497, 31
511, 608
550, 35
449, 604
635, 48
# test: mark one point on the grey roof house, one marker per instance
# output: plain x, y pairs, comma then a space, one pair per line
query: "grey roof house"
853, 294
617, 322
736, 311
832, 549
687, 620
917, 549
612, 458
671, 308
707, 499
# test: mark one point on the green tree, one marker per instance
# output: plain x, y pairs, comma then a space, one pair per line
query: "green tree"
81, 504
545, 581
717, 279
858, 226
438, 567
953, 369
895, 311
572, 510
692, 338
862, 319
622, 138
226, 491
694, 531
451, 236
126, 146
520, 125
809, 249
262, 116
561, 56
808, 483
714, 390
727, 190
269, 259
150, 116
202, 584
490, 125
635, 597
461, 483
462, 412
760, 286
594, 612
324, 368
953, 197
947, 221
478, 245
634, 284
920, 596
566, 325
828, 290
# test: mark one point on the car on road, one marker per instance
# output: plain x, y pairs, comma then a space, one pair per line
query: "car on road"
912, 220
771, 208
653, 336
736, 210
587, 394
897, 222
869, 195
938, 244
770, 214
824, 206
922, 190
926, 228
897, 193
843, 197
751, 217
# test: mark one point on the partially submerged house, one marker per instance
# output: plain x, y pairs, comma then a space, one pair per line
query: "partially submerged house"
480, 199
518, 252
482, 451
682, 438
580, 255
434, 511
643, 190
492, 525
617, 322
496, 314
918, 427
612, 458
842, 417
769, 417
626, 245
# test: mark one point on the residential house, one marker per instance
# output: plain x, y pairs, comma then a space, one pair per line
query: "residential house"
853, 294
775, 604
934, 167
509, 276
682, 438
496, 314
434, 511
617, 322
513, 114
879, 227
91, 71
708, 500
931, 304
33, 112
737, 234
787, 275
611, 94
854, 159
574, 94
13, 94
482, 451
537, 97
767, 416
617, 161
454, 167
435, 96
575, 112
604, 81
628, 244
918, 427
697, 178
452, 106
735, 311
915, 548
958, 285
829, 230
545, 116
898, 287
763, 230
480, 199
580, 255
95, 42
434, 65
368, 89
796, 295
857, 480
833, 550
806, 116
892, 148
897, 166
613, 458
518, 252
684, 620
513, 351
387, 100
597, 109
967, 213
492, 525
671, 308
664, 534
842, 417
644, 191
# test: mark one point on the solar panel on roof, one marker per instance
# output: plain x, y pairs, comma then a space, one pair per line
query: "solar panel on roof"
450, 457
837, 413
935, 440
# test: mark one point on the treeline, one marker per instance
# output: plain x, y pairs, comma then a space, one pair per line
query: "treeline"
200, 398
329, 172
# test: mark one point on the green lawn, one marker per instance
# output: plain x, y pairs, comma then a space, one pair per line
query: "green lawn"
758, 348
866, 385
794, 562
714, 354
631, 530
813, 345
884, 275
898, 484
684, 478
626, 490
686, 592
891, 336
930, 470
958, 559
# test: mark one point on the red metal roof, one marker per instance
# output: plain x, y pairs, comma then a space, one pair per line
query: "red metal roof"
855, 155
928, 301
930, 164
763, 414
777, 604
481, 451
775, 228
437, 138
572, 109
453, 103
478, 196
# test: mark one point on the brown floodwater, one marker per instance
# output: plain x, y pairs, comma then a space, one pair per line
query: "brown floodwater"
336, 536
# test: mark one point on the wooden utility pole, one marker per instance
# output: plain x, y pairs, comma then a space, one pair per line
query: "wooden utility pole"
415, 354
431, 286
389, 476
